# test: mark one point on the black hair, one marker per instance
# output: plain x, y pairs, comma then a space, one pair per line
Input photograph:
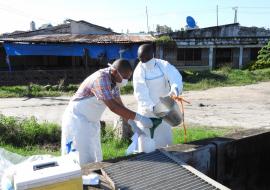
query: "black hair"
147, 49
122, 65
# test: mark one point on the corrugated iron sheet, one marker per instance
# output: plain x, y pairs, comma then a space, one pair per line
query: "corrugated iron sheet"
155, 171
89, 39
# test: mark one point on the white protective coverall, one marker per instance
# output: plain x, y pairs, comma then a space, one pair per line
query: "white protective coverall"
81, 125
152, 80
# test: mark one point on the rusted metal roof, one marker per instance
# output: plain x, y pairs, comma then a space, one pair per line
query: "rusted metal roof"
89, 39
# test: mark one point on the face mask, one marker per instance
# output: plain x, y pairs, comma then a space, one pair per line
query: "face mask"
123, 82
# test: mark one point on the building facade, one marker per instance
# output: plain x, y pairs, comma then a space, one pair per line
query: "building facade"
214, 47
69, 27
69, 51
47, 59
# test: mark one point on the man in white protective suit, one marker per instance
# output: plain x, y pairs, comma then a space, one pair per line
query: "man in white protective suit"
154, 78
81, 120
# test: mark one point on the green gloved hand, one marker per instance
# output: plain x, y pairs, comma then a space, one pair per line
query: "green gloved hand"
156, 123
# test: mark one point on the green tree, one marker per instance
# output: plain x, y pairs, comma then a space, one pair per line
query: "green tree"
263, 59
163, 29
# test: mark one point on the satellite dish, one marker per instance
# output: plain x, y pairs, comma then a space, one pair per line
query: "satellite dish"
190, 22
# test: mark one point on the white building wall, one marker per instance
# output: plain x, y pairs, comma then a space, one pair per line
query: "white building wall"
81, 28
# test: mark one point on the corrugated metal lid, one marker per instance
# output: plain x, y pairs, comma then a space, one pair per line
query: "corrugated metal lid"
157, 171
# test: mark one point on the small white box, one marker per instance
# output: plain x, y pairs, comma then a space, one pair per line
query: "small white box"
60, 173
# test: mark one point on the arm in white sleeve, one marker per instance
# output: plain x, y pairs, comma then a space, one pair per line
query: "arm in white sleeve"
173, 75
141, 91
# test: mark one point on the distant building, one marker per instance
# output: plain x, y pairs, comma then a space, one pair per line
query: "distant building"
45, 26
213, 47
32, 26
46, 59
69, 27
70, 51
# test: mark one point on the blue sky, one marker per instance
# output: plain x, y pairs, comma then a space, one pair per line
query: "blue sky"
123, 15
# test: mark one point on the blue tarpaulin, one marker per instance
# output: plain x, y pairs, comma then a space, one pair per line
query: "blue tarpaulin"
13, 49
110, 51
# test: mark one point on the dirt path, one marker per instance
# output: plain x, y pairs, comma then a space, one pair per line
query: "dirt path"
244, 106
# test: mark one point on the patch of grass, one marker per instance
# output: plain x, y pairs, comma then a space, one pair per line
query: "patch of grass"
27, 91
27, 137
223, 77
193, 80
114, 148
195, 133
28, 132
32, 150
128, 89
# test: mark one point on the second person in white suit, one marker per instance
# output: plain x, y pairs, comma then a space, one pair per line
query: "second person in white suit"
154, 78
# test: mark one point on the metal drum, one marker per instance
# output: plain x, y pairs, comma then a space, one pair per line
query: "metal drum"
169, 111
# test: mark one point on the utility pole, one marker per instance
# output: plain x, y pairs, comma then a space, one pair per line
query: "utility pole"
235, 14
217, 13
146, 11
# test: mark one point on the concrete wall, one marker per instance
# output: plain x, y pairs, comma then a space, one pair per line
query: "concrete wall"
241, 162
205, 56
202, 158
170, 54
223, 31
246, 56
82, 28
203, 62
235, 58
221, 42
244, 163
231, 36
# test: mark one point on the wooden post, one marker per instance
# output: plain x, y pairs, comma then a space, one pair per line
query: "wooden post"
241, 57
122, 129
85, 59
